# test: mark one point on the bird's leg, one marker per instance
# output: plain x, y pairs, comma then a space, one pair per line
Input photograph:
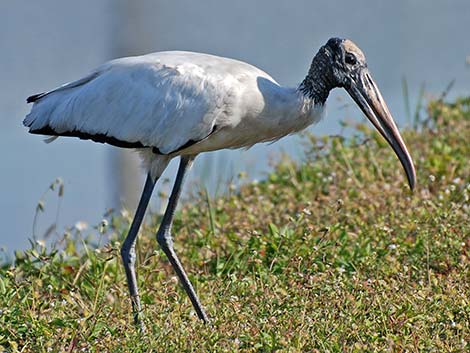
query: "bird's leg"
166, 241
128, 249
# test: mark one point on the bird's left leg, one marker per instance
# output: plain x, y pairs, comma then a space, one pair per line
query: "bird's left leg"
165, 239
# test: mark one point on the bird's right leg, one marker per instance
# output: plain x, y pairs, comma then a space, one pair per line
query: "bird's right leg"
128, 249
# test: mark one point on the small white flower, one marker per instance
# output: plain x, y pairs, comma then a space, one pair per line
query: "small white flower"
81, 226
386, 229
103, 226
392, 246
432, 178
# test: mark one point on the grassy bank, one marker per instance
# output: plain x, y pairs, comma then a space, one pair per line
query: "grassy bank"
331, 255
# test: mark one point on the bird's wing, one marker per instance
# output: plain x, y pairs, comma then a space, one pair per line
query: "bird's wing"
164, 100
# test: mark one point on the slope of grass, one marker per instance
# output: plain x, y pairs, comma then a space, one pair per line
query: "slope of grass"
331, 255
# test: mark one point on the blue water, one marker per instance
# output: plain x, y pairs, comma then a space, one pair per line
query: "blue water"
44, 44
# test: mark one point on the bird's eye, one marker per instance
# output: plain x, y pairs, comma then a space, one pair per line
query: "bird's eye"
350, 59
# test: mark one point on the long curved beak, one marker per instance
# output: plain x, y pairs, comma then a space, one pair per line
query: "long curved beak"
366, 94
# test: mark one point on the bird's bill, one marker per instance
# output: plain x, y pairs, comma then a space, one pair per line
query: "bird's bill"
366, 94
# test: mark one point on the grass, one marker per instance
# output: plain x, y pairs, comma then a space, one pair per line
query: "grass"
331, 255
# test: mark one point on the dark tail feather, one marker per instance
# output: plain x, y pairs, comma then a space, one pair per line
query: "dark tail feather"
35, 97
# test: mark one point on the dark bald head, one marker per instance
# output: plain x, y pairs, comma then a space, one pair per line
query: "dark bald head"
335, 65
346, 59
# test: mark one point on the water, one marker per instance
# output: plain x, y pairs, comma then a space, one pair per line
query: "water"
44, 44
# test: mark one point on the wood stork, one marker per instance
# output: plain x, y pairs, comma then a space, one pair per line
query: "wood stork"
177, 103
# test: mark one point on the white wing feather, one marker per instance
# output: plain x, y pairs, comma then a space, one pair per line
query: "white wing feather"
163, 100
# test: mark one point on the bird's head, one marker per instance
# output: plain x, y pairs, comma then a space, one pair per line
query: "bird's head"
340, 63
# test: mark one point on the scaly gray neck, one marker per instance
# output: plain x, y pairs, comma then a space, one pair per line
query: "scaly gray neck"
320, 79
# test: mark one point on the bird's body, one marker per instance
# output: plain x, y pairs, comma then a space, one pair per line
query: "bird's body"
173, 104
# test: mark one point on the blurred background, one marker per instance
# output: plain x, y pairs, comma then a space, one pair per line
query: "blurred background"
46, 43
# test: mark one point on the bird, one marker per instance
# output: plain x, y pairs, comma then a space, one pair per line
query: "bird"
178, 104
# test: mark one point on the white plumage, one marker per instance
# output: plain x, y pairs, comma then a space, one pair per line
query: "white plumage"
176, 102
